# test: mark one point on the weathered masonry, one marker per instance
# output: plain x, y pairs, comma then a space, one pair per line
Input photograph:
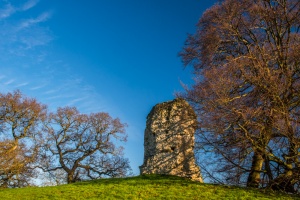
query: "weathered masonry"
169, 140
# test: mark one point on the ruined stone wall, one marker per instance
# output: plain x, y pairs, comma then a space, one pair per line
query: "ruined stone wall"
169, 140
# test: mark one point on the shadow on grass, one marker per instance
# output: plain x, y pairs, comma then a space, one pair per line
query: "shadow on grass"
142, 179
261, 191
163, 180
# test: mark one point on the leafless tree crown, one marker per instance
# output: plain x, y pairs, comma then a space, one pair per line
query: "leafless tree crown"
245, 55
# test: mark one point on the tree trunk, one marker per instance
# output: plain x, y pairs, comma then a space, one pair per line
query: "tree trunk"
254, 176
285, 182
5, 183
70, 178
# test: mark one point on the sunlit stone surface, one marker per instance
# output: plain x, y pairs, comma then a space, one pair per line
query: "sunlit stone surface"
169, 140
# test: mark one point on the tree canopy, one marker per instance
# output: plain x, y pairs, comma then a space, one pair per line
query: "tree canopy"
21, 119
67, 145
245, 55
83, 145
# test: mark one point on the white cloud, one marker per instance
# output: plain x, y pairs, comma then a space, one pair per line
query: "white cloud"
9, 82
7, 11
55, 97
74, 101
50, 91
29, 4
37, 87
35, 70
18, 36
30, 22
21, 84
36, 37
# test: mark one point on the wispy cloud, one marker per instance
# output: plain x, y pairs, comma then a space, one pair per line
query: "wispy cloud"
77, 100
36, 37
21, 84
60, 96
38, 72
29, 4
29, 22
37, 87
9, 82
16, 37
50, 91
7, 11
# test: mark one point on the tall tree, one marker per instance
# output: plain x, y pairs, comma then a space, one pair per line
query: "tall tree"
20, 123
83, 146
245, 55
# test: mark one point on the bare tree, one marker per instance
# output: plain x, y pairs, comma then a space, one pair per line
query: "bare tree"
83, 146
245, 55
20, 116
16, 164
20, 121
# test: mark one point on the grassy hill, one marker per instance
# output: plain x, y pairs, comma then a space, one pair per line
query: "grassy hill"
140, 187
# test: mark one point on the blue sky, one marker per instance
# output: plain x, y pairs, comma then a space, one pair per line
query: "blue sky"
113, 56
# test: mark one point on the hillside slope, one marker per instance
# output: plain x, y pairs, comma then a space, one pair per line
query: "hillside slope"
140, 187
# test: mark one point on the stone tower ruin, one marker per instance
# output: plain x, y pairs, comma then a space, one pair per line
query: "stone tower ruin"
169, 140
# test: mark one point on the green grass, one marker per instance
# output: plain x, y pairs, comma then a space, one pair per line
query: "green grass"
140, 187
